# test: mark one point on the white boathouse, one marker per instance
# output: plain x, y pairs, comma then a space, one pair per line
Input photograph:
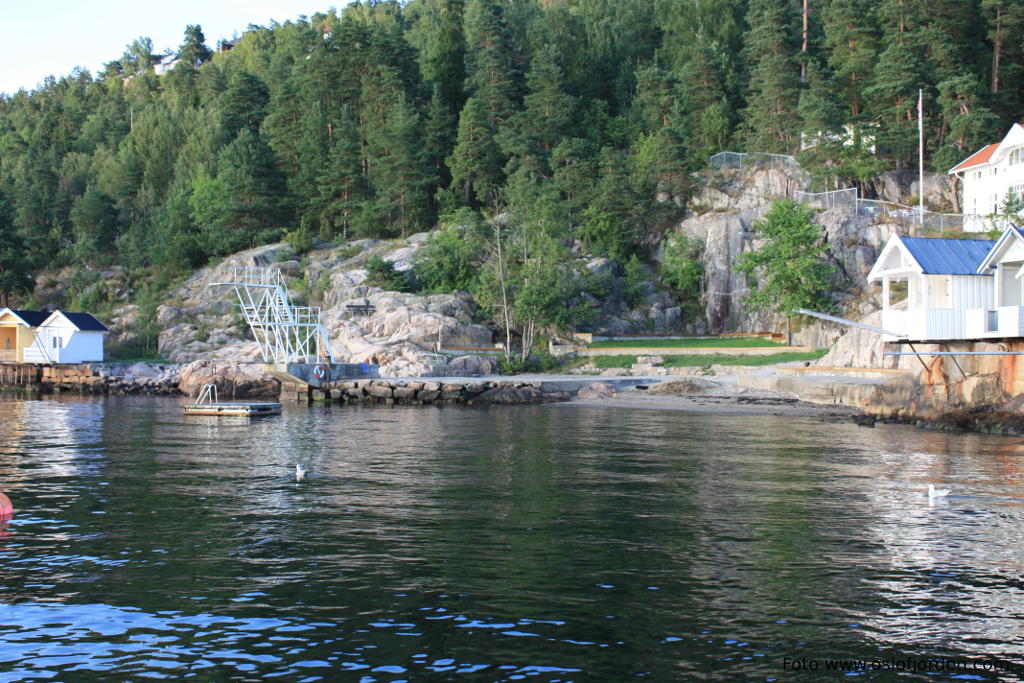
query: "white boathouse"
67, 338
1004, 316
928, 284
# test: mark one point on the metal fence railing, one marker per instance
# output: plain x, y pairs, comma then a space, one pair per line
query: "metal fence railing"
752, 160
927, 221
883, 212
828, 200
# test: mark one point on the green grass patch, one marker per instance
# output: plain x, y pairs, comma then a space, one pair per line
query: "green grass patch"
713, 343
605, 362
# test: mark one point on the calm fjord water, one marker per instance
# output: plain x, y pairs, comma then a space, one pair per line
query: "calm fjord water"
544, 543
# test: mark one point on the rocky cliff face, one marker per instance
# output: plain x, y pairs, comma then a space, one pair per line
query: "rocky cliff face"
199, 322
722, 215
941, 192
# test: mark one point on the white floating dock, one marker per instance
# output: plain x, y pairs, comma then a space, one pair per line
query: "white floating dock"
208, 404
237, 409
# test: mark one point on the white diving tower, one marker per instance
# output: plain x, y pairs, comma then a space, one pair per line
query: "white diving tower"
286, 333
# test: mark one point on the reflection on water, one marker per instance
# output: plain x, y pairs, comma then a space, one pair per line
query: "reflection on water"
546, 543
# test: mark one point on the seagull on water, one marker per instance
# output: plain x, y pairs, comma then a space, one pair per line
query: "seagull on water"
300, 472
934, 493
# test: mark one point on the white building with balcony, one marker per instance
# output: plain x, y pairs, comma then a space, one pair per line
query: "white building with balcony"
988, 177
1004, 317
929, 284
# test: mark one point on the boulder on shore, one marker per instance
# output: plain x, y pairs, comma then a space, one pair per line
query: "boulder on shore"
233, 380
596, 390
686, 386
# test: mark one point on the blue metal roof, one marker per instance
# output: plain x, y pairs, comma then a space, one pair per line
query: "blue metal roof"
946, 256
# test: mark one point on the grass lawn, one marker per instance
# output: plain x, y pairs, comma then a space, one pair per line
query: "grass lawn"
604, 362
654, 343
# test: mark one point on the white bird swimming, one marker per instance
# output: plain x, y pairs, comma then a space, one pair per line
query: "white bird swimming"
300, 472
934, 493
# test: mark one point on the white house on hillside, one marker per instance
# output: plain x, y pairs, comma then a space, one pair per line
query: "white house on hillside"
988, 176
67, 338
942, 281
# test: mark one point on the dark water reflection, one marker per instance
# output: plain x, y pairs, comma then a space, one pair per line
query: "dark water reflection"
548, 543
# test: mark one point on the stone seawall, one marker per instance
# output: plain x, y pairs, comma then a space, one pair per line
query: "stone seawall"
92, 378
414, 392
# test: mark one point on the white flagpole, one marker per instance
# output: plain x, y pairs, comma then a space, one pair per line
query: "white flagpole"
920, 153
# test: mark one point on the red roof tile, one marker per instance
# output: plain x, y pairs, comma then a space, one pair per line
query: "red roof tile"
979, 157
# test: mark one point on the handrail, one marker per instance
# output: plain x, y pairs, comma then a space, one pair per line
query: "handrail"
208, 394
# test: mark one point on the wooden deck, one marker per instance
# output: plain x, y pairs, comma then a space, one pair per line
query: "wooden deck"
240, 409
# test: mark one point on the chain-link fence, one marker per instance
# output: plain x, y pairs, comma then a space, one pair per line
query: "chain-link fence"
883, 212
752, 160
910, 216
828, 200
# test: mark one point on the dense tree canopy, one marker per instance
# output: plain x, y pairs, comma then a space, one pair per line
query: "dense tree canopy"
373, 120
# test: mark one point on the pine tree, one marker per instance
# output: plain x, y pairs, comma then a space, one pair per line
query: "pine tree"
491, 76
851, 42
445, 62
95, 223
402, 177
575, 170
546, 117
243, 206
770, 117
439, 136
193, 50
341, 187
894, 96
818, 109
1004, 20
709, 114
970, 123
15, 265
608, 224
244, 103
476, 162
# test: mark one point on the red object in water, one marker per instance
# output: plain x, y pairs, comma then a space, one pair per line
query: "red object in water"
6, 509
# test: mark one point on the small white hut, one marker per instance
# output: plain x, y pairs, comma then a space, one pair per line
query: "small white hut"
929, 283
1004, 315
67, 338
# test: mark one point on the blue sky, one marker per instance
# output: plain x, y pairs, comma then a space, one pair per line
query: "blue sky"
54, 37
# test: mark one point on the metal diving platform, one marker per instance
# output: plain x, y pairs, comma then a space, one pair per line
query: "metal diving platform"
292, 339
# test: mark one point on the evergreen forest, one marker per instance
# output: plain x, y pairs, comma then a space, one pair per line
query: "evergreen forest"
383, 118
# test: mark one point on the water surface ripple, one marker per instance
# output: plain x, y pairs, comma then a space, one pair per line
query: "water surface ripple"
544, 543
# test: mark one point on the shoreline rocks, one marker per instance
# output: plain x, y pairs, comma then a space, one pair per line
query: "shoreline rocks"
483, 392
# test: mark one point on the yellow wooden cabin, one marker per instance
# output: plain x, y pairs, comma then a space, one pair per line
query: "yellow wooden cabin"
18, 332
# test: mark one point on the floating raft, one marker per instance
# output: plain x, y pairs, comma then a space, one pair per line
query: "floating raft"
234, 409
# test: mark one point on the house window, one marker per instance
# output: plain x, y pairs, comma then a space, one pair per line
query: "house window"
56, 342
1016, 156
